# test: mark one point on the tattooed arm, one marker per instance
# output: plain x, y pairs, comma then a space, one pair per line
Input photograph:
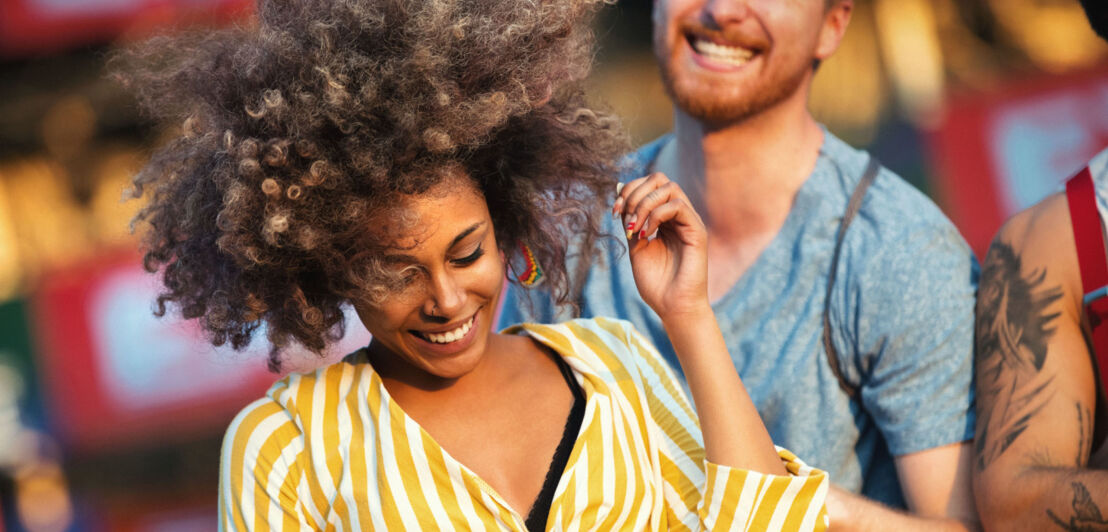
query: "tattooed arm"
1035, 382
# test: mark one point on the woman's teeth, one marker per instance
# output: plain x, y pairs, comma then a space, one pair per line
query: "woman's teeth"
733, 55
450, 336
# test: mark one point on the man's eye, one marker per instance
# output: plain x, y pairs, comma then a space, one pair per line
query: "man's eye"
471, 258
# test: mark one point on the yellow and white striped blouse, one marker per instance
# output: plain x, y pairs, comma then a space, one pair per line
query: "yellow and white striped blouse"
332, 451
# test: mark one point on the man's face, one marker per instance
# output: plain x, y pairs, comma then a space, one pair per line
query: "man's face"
723, 61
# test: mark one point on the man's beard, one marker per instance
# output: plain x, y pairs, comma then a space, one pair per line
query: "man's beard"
712, 109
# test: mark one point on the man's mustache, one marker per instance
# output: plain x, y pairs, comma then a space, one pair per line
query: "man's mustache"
736, 35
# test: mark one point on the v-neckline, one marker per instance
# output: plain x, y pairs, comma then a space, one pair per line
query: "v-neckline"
397, 412
788, 232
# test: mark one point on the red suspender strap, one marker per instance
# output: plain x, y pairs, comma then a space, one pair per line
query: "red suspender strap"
1089, 238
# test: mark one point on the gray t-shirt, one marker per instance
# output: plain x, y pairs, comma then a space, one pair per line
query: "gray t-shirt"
901, 318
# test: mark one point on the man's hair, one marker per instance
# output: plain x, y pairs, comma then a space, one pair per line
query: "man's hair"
300, 138
1097, 12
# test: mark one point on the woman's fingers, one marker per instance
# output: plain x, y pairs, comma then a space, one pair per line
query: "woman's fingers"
639, 197
666, 194
675, 210
639, 200
618, 203
636, 191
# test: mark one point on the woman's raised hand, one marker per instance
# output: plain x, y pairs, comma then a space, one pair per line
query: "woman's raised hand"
668, 245
669, 258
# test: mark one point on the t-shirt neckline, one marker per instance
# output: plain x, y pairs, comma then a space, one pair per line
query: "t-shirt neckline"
779, 251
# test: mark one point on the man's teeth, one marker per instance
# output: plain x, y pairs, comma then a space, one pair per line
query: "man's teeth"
718, 52
450, 336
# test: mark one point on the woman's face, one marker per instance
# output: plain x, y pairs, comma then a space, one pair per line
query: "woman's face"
440, 322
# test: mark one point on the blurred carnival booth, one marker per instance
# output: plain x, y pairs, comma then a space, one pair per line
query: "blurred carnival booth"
111, 419
998, 152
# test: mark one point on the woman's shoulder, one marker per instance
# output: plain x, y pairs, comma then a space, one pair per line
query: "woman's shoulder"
592, 332
290, 400
607, 343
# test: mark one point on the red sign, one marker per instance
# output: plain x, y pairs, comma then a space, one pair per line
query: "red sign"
1001, 151
114, 373
38, 26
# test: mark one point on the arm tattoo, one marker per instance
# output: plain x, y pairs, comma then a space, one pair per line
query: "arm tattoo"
1085, 443
1086, 514
1040, 457
1012, 331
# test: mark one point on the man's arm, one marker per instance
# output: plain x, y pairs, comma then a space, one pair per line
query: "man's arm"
911, 315
936, 485
1036, 389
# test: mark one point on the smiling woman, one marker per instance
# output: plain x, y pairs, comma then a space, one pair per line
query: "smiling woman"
395, 156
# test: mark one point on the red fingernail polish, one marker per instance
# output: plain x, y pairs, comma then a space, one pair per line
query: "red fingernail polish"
631, 226
642, 234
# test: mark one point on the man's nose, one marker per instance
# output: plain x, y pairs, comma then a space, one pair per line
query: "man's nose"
720, 13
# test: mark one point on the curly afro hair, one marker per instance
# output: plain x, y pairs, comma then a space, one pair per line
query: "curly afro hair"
301, 133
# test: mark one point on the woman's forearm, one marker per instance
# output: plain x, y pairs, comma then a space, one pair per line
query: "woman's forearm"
734, 434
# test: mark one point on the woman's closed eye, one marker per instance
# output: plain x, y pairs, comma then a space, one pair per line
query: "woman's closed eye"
471, 258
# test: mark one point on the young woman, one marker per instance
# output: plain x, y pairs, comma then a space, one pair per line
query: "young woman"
396, 156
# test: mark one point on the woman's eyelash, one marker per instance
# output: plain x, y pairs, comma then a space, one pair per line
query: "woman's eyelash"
471, 258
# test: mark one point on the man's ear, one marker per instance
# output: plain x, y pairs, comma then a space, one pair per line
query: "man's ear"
835, 21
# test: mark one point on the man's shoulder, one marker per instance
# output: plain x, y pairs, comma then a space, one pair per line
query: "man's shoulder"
1039, 241
1042, 224
893, 212
635, 163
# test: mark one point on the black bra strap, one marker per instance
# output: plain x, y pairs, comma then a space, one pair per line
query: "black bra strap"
536, 517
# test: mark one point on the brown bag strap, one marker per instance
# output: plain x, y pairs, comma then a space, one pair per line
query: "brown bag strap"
833, 358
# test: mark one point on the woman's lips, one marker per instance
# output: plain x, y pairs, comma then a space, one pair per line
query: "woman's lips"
447, 336
449, 342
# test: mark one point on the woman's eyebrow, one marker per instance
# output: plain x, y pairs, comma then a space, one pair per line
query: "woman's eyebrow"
401, 258
468, 231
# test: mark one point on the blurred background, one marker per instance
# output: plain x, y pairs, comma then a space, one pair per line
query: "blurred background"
111, 419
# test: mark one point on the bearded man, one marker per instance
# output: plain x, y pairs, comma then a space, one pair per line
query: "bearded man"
1042, 359
845, 296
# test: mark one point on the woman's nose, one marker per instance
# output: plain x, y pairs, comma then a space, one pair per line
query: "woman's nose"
446, 298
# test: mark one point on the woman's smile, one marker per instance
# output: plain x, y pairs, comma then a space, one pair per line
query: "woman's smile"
448, 339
